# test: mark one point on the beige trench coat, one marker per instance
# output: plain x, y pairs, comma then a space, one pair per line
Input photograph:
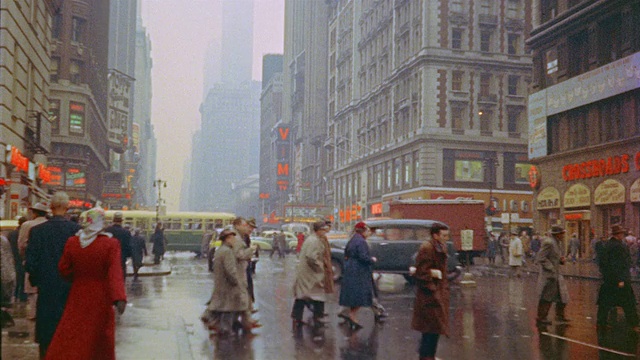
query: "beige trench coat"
551, 285
515, 252
229, 293
309, 283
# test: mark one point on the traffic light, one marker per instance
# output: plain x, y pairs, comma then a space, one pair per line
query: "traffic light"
491, 210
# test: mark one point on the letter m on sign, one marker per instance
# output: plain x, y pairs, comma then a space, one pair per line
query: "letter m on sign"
283, 169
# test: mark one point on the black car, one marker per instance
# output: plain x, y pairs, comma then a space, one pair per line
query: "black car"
394, 242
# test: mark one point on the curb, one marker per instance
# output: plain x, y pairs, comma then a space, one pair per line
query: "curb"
502, 269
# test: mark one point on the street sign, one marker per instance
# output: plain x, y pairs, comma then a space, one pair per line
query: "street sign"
505, 218
466, 240
515, 217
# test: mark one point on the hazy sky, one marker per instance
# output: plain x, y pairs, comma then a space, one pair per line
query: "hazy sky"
180, 31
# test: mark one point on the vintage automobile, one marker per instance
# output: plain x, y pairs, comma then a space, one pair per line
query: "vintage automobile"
394, 242
261, 242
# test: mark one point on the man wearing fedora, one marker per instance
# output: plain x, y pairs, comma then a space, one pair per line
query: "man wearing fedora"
124, 237
37, 215
551, 285
615, 263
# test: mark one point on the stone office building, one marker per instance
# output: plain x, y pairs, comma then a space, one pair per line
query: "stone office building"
584, 116
427, 100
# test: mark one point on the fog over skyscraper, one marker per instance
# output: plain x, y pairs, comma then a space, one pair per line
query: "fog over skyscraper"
228, 138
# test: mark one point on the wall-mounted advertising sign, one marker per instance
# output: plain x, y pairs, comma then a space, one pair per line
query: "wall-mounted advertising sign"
75, 178
118, 110
283, 158
76, 118
537, 111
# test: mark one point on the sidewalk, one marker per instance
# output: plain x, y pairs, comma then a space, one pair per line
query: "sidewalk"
18, 342
582, 269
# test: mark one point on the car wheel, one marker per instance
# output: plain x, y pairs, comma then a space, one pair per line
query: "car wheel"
337, 269
410, 279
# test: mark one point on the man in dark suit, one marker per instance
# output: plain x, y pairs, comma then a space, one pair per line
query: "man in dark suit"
43, 252
615, 263
124, 236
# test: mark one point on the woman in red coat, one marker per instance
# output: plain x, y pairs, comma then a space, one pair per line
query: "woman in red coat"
91, 261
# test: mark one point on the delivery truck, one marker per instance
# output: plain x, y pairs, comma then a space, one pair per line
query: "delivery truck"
460, 215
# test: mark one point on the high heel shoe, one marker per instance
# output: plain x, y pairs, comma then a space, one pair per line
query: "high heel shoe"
353, 325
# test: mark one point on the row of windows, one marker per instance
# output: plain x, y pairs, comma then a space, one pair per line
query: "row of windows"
488, 85
609, 120
488, 41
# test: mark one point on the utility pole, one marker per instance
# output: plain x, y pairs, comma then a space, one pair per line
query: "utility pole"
159, 184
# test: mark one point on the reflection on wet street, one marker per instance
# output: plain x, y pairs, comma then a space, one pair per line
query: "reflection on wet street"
495, 320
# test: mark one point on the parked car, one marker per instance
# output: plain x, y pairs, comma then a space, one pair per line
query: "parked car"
290, 239
394, 243
262, 243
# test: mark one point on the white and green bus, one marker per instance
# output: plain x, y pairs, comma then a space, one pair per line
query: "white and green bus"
183, 230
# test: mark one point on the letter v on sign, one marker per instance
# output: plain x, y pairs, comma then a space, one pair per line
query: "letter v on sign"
284, 133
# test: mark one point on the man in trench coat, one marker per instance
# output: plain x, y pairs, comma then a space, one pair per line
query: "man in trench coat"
551, 285
431, 307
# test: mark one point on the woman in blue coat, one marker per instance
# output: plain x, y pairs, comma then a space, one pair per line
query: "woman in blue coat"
357, 288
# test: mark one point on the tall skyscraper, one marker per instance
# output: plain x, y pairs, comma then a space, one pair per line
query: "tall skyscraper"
227, 151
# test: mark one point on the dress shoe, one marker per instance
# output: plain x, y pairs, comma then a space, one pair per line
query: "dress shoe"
542, 322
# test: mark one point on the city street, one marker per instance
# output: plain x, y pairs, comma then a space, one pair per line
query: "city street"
495, 320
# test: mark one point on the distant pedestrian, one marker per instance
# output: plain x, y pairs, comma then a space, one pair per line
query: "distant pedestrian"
551, 285
535, 244
356, 289
138, 251
278, 244
526, 244
229, 298
300, 238
515, 253
504, 247
91, 261
43, 253
158, 241
431, 307
574, 247
251, 265
37, 215
632, 244
616, 289
492, 248
124, 237
309, 284
19, 293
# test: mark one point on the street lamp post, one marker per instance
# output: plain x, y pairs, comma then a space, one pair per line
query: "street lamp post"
159, 184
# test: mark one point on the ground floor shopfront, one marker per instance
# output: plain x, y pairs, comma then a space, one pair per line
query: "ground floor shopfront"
589, 191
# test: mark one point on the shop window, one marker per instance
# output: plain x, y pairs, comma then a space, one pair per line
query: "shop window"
468, 170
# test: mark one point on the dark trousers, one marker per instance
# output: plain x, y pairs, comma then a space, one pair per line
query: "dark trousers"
545, 306
280, 252
299, 305
249, 272
428, 345
630, 313
19, 290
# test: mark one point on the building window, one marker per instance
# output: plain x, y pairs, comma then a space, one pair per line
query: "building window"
389, 166
456, 6
468, 170
513, 9
55, 65
77, 29
456, 38
485, 41
378, 180
548, 9
513, 84
75, 72
512, 42
416, 168
407, 169
485, 84
486, 7
578, 128
456, 80
54, 116
76, 118
486, 121
56, 27
514, 121
457, 112
397, 170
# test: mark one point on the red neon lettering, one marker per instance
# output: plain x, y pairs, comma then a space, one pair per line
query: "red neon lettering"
283, 169
284, 133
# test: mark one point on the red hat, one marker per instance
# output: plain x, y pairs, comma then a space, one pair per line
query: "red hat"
361, 225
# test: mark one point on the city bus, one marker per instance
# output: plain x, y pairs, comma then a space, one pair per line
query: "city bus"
183, 230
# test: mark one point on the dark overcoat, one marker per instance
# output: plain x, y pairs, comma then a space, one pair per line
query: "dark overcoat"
357, 286
124, 237
158, 242
615, 261
551, 285
138, 249
44, 250
431, 307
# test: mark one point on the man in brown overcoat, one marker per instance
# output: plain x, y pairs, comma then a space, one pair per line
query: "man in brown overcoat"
551, 284
431, 308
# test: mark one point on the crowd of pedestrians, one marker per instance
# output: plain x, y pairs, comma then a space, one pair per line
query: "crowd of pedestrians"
71, 277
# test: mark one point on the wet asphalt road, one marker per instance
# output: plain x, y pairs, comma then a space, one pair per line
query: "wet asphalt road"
495, 320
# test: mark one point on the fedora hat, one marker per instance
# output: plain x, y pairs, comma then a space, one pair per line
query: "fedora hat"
617, 229
514, 231
117, 216
557, 229
40, 206
252, 222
